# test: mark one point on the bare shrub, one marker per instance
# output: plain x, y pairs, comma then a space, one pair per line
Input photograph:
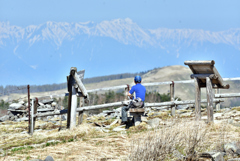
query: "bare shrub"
185, 137
193, 139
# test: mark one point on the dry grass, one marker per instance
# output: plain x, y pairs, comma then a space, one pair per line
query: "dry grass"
186, 137
138, 143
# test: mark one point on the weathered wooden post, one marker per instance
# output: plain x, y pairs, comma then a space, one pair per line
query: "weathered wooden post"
33, 112
29, 125
197, 99
172, 94
75, 89
209, 99
70, 83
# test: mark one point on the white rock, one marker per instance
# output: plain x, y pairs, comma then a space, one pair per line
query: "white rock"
16, 106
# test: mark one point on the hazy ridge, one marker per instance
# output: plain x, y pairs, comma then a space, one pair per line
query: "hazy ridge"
169, 73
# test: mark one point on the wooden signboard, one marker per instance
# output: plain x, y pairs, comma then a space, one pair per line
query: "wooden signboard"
203, 69
205, 75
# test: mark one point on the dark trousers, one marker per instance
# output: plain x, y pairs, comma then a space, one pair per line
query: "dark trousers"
125, 109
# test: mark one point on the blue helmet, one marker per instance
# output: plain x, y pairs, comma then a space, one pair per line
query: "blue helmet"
137, 79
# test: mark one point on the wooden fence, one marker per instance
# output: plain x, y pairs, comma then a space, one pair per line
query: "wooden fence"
171, 104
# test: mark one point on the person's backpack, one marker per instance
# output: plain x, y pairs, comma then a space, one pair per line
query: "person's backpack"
137, 102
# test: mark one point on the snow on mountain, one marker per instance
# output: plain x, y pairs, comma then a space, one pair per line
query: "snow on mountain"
123, 30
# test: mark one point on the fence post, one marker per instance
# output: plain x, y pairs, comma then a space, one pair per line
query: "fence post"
29, 125
73, 108
69, 101
218, 105
172, 94
209, 99
80, 114
32, 119
197, 99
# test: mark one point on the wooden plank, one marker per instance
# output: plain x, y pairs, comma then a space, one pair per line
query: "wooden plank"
199, 62
136, 110
227, 95
44, 110
210, 100
159, 104
220, 80
86, 108
202, 69
81, 74
197, 99
47, 114
193, 101
18, 110
81, 87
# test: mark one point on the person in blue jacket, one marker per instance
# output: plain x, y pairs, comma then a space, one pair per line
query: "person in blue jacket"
140, 92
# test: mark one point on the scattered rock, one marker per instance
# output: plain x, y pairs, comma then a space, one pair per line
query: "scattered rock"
22, 119
154, 122
186, 114
4, 118
16, 106
21, 102
233, 147
182, 107
48, 158
49, 117
137, 123
213, 156
54, 104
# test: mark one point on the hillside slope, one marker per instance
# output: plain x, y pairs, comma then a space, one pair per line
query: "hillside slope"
169, 73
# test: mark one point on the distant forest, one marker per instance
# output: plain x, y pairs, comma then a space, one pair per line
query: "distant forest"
52, 87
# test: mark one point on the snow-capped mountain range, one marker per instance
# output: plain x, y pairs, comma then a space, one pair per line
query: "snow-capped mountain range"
123, 30
30, 54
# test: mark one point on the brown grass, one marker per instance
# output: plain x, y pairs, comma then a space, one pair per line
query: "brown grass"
137, 143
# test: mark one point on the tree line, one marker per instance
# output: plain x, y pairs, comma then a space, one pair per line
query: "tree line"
52, 87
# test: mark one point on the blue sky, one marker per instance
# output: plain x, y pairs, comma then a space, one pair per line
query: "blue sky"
202, 15
213, 15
